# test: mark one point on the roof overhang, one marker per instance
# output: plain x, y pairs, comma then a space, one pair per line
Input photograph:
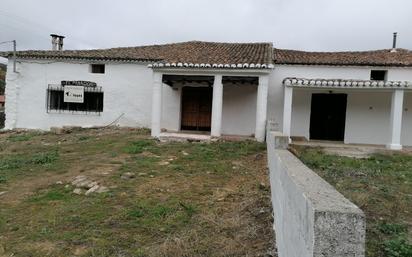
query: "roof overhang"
345, 84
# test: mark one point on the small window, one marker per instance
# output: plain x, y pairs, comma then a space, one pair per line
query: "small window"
92, 103
97, 68
378, 74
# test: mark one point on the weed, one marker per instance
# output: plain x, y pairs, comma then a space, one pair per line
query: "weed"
13, 165
392, 229
380, 185
84, 138
53, 194
12, 162
45, 158
139, 146
21, 138
398, 247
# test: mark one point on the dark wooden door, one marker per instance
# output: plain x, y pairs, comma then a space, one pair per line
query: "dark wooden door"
196, 108
327, 117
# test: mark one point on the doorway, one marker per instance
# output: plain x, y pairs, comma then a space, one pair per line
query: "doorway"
328, 116
196, 108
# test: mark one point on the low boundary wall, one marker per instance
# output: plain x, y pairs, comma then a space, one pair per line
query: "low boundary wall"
311, 218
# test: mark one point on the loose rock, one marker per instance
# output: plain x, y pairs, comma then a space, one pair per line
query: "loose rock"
102, 189
92, 190
78, 179
91, 185
128, 175
78, 191
258, 157
2, 193
84, 184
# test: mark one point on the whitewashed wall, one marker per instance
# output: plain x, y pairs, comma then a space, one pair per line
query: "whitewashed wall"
127, 90
238, 114
239, 110
367, 117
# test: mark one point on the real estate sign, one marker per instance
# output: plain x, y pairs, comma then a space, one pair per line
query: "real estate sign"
73, 94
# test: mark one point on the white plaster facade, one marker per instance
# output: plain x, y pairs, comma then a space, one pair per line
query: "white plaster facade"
130, 96
368, 113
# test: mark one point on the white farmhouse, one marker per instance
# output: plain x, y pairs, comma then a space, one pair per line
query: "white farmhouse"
218, 88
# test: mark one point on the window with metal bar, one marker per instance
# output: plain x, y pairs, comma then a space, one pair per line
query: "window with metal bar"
93, 101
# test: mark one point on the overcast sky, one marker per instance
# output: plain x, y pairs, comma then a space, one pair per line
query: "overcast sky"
318, 25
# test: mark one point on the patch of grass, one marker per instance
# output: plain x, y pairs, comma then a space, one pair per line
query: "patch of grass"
21, 138
84, 138
12, 162
14, 165
53, 194
381, 186
163, 216
140, 146
398, 247
45, 158
392, 229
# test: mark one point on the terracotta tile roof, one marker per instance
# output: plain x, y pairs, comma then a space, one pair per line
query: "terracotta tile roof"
226, 55
400, 58
195, 52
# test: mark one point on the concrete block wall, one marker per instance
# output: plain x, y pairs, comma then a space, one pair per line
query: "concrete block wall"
311, 218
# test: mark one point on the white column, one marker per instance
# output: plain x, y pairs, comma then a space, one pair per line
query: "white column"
396, 120
217, 106
287, 110
261, 108
156, 104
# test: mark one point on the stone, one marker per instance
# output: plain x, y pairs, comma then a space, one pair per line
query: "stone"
67, 186
78, 191
93, 184
164, 163
84, 184
78, 179
102, 189
57, 130
59, 182
128, 175
258, 157
70, 129
142, 174
92, 189
2, 193
185, 153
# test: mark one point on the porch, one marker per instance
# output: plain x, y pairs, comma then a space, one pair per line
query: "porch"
348, 111
209, 104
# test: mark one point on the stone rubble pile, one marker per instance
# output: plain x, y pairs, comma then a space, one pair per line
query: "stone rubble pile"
82, 183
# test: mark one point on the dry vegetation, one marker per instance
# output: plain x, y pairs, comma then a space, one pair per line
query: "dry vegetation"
187, 199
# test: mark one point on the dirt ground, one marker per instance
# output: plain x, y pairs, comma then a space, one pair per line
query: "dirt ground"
178, 199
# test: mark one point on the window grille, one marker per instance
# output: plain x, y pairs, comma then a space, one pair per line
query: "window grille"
92, 104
